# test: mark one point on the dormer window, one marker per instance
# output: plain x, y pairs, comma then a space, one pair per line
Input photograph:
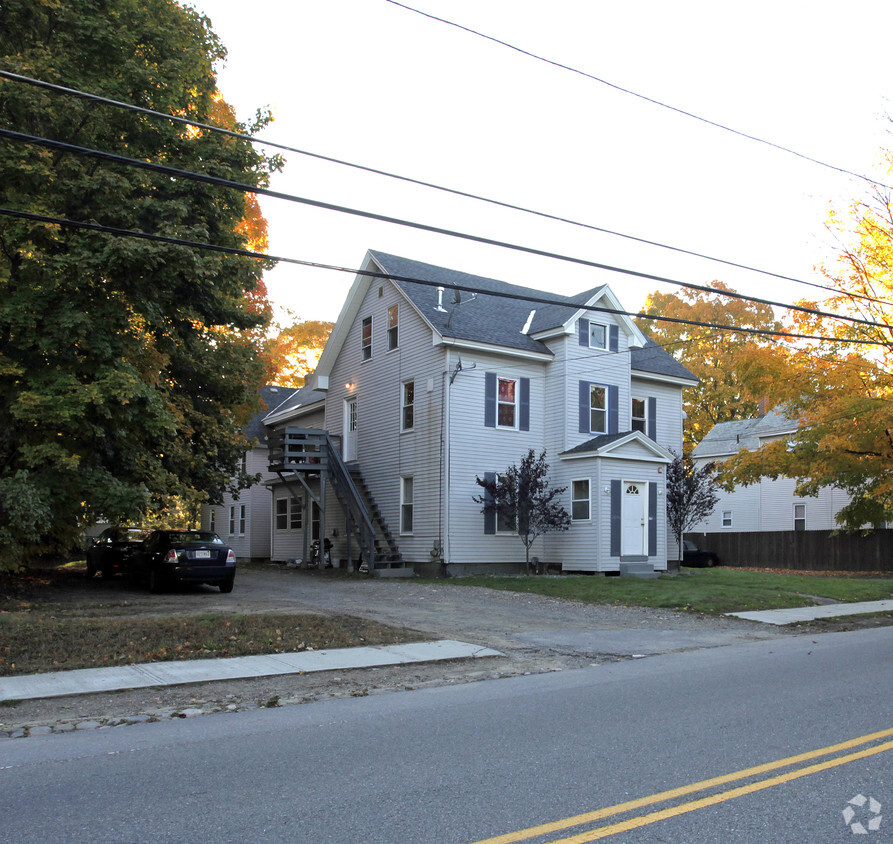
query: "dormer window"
598, 335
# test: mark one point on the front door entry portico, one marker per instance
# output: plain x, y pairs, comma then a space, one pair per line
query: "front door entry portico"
633, 522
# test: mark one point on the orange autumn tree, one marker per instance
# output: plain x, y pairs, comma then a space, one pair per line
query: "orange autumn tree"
294, 352
840, 390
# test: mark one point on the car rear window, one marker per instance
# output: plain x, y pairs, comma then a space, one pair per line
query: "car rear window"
195, 536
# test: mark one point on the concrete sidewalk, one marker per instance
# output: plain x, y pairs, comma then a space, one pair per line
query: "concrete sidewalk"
795, 614
90, 680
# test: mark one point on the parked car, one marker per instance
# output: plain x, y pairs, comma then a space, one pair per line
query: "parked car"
185, 556
113, 550
694, 556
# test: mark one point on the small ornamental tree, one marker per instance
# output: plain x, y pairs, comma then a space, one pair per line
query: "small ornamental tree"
691, 495
522, 496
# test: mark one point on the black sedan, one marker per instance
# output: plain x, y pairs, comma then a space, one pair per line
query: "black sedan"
694, 556
185, 556
113, 550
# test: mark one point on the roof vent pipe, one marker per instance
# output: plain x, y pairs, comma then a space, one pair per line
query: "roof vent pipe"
440, 308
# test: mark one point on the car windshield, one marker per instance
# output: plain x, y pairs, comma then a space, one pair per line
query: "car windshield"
187, 536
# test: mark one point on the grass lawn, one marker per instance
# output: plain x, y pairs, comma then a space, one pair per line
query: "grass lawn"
716, 590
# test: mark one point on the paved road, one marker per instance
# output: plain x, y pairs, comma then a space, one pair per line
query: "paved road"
462, 764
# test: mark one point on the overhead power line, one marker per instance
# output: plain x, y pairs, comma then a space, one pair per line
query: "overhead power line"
513, 295
647, 99
369, 215
410, 180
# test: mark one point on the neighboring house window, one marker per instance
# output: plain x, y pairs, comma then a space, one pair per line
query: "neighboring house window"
580, 500
213, 524
597, 336
640, 420
314, 523
232, 520
296, 514
407, 416
506, 402
282, 514
367, 338
598, 409
241, 520
393, 316
406, 499
726, 518
799, 517
243, 463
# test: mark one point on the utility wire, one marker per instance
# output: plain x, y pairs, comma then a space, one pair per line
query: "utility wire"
453, 191
647, 99
499, 294
369, 215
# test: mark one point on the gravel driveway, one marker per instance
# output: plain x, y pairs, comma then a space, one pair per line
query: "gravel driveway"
535, 633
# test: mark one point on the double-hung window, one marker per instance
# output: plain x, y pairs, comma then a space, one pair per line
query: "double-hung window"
241, 520
232, 520
726, 518
289, 514
393, 317
366, 338
407, 408
281, 514
580, 500
406, 504
213, 523
799, 517
639, 416
506, 402
598, 409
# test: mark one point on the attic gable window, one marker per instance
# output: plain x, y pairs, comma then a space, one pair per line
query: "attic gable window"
597, 336
366, 342
393, 316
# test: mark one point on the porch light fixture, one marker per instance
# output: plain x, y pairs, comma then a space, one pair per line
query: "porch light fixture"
607, 490
348, 385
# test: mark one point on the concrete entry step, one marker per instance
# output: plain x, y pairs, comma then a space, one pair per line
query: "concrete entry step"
644, 571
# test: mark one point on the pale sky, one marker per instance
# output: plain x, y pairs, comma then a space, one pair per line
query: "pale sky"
374, 84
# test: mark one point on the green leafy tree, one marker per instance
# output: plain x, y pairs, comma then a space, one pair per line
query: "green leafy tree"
522, 496
126, 367
721, 359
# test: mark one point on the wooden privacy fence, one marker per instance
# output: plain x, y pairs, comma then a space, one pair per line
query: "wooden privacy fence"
807, 550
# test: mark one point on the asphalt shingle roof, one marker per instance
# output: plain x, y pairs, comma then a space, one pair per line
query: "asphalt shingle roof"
271, 397
730, 437
499, 319
596, 443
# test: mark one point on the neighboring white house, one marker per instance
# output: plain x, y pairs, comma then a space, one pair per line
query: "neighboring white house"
768, 505
420, 390
244, 520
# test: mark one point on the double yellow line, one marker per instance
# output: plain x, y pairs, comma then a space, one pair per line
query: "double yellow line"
693, 788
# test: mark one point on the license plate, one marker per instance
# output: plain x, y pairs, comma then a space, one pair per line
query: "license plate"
202, 555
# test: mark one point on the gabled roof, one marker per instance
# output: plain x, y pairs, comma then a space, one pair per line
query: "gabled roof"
271, 397
298, 401
727, 438
603, 445
496, 316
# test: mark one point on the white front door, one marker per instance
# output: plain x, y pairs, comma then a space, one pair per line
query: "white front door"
633, 522
350, 429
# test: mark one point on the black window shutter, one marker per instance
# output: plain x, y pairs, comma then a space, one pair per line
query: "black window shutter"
613, 413
613, 338
615, 518
490, 399
524, 408
585, 421
652, 418
652, 519
489, 515
583, 326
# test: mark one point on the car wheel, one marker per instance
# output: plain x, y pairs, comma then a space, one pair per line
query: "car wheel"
155, 584
226, 586
107, 572
91, 568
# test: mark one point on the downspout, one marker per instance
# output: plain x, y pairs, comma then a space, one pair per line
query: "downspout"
444, 526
